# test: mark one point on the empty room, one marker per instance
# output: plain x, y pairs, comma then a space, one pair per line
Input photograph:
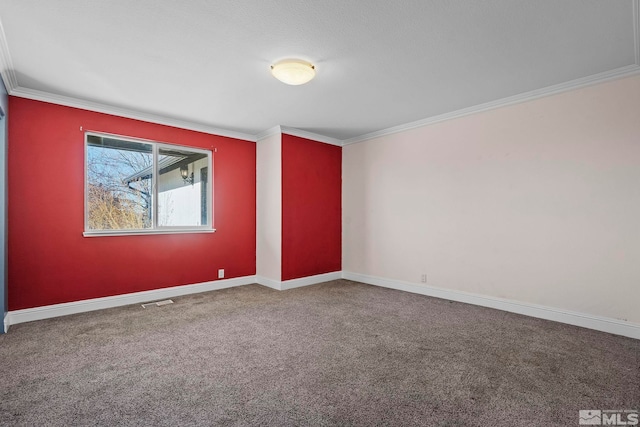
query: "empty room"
336, 212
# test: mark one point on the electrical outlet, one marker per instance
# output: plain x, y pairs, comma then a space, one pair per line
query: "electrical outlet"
221, 273
423, 278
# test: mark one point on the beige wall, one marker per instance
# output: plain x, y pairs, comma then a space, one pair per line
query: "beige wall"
269, 207
537, 202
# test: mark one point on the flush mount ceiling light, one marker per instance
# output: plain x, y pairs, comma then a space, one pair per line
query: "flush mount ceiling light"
293, 71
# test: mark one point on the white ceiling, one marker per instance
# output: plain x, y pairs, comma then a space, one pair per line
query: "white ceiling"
380, 64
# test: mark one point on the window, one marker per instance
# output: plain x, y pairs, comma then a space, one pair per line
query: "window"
137, 187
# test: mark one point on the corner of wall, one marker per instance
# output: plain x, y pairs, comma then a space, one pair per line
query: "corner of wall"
4, 106
269, 205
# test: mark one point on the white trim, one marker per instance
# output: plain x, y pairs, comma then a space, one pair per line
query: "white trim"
68, 101
296, 283
108, 233
156, 146
10, 80
310, 280
7, 69
56, 310
6, 322
584, 320
310, 135
627, 71
269, 132
298, 132
636, 29
269, 283
604, 324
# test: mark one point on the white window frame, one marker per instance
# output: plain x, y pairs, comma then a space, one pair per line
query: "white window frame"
155, 228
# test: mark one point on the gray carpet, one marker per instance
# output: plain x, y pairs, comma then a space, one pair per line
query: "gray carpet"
338, 353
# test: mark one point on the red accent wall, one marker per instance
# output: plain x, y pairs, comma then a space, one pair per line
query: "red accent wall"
51, 262
311, 207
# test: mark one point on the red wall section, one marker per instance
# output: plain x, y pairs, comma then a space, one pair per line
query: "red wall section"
311, 207
51, 262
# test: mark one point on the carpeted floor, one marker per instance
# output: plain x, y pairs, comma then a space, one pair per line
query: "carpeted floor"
338, 353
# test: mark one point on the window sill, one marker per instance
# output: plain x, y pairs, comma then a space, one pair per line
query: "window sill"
108, 233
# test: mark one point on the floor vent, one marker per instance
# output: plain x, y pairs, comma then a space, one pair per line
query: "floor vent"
157, 303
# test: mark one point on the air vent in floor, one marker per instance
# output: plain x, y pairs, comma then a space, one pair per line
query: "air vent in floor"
157, 303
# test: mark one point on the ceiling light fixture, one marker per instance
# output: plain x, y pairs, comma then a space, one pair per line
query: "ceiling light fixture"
293, 71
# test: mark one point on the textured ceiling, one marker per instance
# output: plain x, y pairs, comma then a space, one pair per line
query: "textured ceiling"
379, 63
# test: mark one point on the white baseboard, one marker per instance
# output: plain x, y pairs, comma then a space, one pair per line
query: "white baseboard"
310, 280
269, 283
38, 313
296, 283
604, 324
589, 321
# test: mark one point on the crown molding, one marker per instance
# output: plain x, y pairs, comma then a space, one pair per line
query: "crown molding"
629, 70
7, 70
299, 133
310, 135
269, 132
9, 79
125, 112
